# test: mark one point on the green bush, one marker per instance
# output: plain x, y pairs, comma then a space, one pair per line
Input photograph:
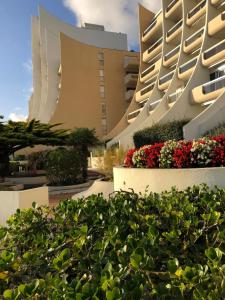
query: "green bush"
216, 131
168, 246
159, 133
38, 160
65, 167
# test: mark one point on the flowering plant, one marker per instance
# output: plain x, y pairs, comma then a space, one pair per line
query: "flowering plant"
166, 154
128, 162
202, 152
181, 155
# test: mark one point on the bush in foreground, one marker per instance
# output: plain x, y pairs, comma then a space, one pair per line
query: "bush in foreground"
168, 246
201, 153
159, 133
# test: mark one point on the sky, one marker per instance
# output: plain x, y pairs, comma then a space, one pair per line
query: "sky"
15, 32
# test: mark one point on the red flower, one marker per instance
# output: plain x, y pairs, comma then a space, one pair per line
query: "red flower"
218, 159
152, 160
182, 155
128, 159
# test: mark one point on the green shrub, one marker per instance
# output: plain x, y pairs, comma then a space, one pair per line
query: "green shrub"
38, 160
14, 167
65, 167
168, 246
159, 133
216, 131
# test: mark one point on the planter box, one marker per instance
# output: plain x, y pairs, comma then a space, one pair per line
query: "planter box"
12, 200
159, 180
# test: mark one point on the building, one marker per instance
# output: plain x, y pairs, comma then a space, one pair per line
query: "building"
82, 77
182, 69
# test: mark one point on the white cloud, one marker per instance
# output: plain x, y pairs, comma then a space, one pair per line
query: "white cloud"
16, 117
28, 66
116, 15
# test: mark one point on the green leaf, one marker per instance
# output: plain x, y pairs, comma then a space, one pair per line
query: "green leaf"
173, 265
8, 294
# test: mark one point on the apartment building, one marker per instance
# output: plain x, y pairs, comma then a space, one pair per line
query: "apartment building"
82, 76
182, 69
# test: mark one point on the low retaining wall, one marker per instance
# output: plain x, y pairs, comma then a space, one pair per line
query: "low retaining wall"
12, 200
159, 180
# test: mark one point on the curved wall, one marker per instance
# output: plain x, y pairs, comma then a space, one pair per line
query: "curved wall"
184, 106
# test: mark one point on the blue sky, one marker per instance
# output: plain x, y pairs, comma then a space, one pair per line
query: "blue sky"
15, 50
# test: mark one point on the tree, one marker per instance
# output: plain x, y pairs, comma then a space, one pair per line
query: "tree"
15, 136
81, 139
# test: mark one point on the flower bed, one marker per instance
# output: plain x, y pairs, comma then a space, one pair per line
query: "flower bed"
202, 153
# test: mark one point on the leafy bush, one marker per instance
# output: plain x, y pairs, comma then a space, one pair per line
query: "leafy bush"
38, 160
65, 167
159, 133
204, 152
216, 131
168, 246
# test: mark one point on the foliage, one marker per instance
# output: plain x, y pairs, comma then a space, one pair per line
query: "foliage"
168, 246
159, 133
112, 157
38, 160
81, 139
65, 167
15, 136
216, 131
204, 152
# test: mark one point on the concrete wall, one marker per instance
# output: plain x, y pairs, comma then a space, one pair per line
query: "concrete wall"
46, 58
79, 103
159, 180
11, 201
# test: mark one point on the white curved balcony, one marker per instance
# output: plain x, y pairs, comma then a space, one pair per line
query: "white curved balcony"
209, 91
153, 50
214, 54
185, 70
153, 105
150, 71
133, 115
217, 24
145, 92
165, 81
171, 57
153, 27
174, 31
217, 2
196, 13
194, 41
172, 8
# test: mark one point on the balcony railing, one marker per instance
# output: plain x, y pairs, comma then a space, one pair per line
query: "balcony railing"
171, 53
166, 78
154, 46
190, 64
171, 5
174, 28
151, 25
147, 71
153, 105
173, 97
196, 9
214, 85
213, 51
194, 37
147, 89
134, 114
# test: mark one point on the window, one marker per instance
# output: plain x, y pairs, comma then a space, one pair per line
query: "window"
101, 75
101, 63
100, 56
102, 91
104, 126
103, 108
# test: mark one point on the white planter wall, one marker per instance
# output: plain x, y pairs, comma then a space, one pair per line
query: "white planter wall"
11, 201
159, 180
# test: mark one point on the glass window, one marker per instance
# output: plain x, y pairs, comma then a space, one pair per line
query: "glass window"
103, 108
102, 91
101, 75
101, 56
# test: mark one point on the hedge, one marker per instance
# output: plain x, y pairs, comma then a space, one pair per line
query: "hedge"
65, 167
216, 131
159, 133
161, 246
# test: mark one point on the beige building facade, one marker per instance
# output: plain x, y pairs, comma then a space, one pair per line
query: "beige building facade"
82, 77
182, 69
